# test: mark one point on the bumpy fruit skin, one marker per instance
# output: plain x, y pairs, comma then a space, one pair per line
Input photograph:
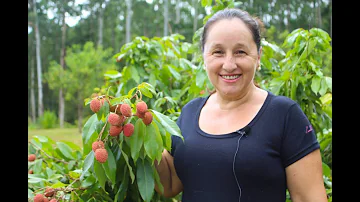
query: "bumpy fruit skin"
101, 155
141, 116
95, 105
39, 198
141, 107
115, 130
147, 118
31, 172
49, 192
31, 157
128, 129
126, 110
53, 200
97, 145
114, 119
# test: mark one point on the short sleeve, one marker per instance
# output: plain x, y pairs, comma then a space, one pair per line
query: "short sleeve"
299, 138
174, 138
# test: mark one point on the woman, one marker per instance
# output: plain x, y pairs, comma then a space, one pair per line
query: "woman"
241, 143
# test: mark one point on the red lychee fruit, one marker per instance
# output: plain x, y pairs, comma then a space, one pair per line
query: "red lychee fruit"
115, 130
147, 118
53, 200
141, 116
95, 105
31, 157
128, 129
97, 145
126, 110
141, 107
101, 155
115, 119
49, 191
39, 198
102, 100
31, 172
46, 199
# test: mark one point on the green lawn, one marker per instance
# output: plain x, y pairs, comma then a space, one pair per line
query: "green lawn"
58, 134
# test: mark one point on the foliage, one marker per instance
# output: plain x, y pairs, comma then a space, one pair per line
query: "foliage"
48, 120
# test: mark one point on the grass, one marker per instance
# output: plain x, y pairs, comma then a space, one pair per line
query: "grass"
58, 134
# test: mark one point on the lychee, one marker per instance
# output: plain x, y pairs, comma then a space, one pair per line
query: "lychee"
128, 129
126, 110
31, 172
46, 199
31, 157
102, 100
147, 118
95, 105
141, 116
115, 119
141, 107
101, 155
49, 191
53, 200
97, 145
115, 130
39, 198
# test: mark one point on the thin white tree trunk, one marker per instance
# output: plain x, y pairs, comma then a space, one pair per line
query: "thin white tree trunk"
166, 18
195, 5
177, 18
38, 64
32, 90
62, 63
128, 21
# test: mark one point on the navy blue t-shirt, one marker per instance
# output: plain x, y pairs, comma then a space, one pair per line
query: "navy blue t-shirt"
279, 135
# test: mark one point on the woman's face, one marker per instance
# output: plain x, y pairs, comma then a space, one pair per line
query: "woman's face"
230, 56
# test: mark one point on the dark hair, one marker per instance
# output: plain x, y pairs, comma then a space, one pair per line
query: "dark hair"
253, 23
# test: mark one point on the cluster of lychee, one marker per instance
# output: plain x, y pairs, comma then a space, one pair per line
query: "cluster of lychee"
49, 192
118, 115
31, 158
101, 155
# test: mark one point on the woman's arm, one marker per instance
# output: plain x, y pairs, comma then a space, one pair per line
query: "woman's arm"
168, 177
305, 179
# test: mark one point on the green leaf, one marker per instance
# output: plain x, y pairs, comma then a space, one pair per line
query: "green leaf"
100, 174
121, 194
132, 176
65, 150
58, 185
134, 74
315, 84
326, 170
145, 179
110, 165
88, 162
200, 77
146, 92
150, 143
90, 180
168, 124
157, 180
137, 139
89, 129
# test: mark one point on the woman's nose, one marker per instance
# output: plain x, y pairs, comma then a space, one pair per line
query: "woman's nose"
229, 64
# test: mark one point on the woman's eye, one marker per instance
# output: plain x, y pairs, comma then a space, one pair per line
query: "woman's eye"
239, 52
218, 52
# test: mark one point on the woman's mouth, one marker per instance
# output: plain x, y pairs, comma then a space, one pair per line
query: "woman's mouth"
230, 78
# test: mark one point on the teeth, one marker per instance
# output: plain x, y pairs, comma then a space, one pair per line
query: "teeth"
231, 77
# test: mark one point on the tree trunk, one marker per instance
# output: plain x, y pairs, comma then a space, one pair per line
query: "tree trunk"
38, 63
128, 21
32, 91
62, 63
177, 18
195, 5
166, 17
319, 14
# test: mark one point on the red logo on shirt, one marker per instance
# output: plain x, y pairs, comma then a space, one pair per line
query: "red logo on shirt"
308, 129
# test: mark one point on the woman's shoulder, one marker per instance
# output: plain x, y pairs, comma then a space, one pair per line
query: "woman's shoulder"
195, 102
280, 101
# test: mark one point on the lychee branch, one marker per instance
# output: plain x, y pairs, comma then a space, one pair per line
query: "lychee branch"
50, 157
